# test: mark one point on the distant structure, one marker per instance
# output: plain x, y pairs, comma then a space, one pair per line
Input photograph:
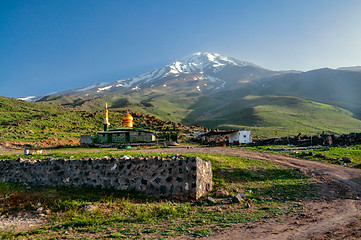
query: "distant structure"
240, 137
126, 134
231, 137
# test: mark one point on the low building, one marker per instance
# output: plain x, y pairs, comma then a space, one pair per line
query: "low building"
240, 137
227, 137
124, 135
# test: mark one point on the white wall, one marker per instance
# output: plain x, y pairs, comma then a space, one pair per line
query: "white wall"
240, 136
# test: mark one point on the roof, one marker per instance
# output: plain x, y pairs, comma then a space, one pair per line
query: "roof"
127, 116
213, 133
125, 129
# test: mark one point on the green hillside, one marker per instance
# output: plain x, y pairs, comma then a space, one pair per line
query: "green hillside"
267, 116
24, 121
334, 87
272, 116
30, 122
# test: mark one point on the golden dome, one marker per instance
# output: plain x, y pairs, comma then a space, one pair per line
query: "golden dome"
127, 121
127, 116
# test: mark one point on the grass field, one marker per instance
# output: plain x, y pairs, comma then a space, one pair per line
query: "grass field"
267, 116
331, 155
269, 191
274, 116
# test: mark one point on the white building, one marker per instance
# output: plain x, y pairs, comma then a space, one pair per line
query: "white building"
240, 137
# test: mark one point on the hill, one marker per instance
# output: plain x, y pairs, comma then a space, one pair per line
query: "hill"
274, 116
336, 87
51, 124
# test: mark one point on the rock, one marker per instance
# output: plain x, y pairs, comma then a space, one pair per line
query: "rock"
89, 208
172, 143
210, 200
221, 193
237, 198
260, 198
40, 209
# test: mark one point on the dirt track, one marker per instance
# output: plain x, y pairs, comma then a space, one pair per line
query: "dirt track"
334, 214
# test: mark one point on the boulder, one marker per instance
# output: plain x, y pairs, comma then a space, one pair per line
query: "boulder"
237, 198
210, 200
221, 193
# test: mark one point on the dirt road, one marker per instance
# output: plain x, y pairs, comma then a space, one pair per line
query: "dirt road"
334, 214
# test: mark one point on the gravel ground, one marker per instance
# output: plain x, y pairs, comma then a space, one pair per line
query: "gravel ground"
21, 221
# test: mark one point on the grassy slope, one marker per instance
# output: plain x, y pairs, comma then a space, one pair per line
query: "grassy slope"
275, 116
267, 116
334, 87
25, 121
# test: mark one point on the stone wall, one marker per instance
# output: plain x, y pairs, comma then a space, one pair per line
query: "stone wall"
322, 139
178, 178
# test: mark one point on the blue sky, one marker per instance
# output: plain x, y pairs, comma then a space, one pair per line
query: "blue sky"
48, 46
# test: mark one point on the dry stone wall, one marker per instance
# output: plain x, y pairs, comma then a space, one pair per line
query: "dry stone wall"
176, 177
323, 140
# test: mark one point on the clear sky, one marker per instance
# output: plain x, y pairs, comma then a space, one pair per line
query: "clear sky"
53, 45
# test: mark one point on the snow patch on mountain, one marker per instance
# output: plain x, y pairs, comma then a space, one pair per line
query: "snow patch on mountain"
104, 88
90, 87
213, 79
29, 98
146, 77
221, 86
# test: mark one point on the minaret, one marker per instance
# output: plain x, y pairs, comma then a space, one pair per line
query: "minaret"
106, 119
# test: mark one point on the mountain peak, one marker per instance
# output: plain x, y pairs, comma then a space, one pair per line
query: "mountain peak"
203, 61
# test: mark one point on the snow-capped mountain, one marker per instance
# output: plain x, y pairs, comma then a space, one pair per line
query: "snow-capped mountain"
206, 66
206, 72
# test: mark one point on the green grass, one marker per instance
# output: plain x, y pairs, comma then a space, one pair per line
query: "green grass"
45, 122
332, 155
269, 190
267, 116
274, 116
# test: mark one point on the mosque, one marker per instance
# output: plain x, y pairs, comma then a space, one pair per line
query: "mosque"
125, 134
